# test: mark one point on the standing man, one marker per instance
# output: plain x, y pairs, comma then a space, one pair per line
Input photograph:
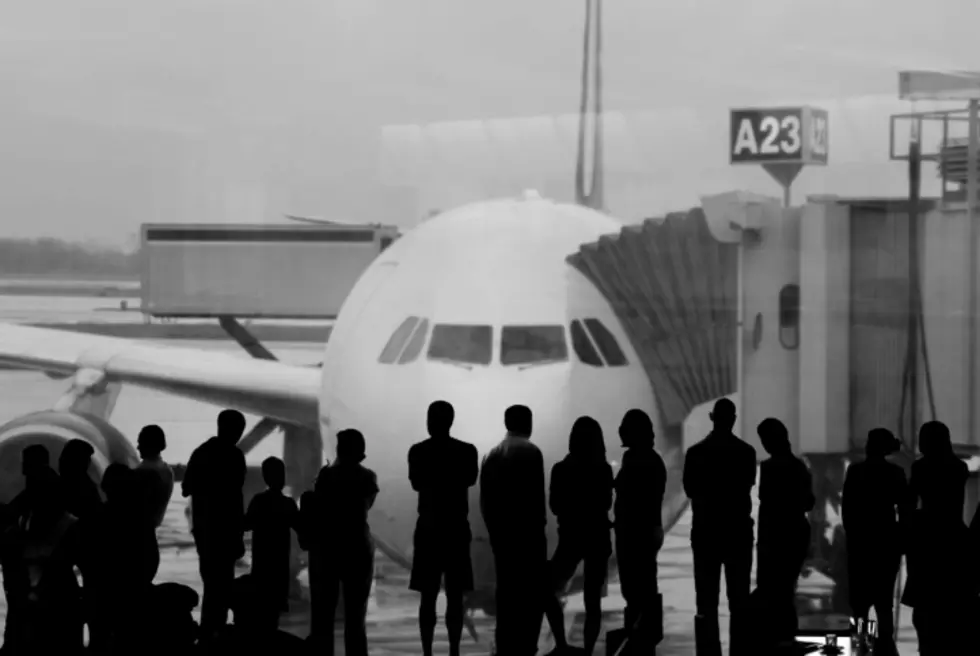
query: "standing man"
214, 479
719, 474
442, 469
512, 501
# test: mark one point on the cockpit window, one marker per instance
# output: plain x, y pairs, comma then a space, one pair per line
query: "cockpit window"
532, 344
415, 344
606, 342
583, 346
397, 341
459, 343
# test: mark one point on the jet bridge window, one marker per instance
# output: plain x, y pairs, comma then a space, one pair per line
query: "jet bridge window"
583, 346
397, 341
532, 344
606, 342
461, 343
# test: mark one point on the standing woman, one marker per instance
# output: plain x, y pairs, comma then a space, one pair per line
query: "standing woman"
785, 497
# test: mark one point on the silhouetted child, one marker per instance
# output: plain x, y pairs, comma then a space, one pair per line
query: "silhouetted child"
249, 633
581, 494
271, 516
156, 476
785, 497
80, 492
640, 487
719, 474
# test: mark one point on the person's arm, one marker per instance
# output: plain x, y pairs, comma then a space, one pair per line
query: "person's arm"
607, 487
751, 466
539, 489
848, 500
414, 469
372, 490
472, 472
292, 515
555, 497
187, 485
241, 468
486, 490
690, 476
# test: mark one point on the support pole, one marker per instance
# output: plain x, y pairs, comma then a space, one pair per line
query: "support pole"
915, 308
971, 199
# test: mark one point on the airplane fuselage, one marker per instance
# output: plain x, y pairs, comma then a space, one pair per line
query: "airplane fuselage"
477, 307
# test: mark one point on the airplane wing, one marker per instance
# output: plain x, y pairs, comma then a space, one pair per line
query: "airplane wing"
281, 392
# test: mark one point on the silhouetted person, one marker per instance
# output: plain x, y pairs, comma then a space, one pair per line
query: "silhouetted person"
342, 553
169, 607
640, 487
119, 559
271, 517
214, 479
939, 586
719, 474
512, 501
52, 618
580, 496
250, 634
156, 475
81, 494
785, 497
873, 501
35, 465
442, 469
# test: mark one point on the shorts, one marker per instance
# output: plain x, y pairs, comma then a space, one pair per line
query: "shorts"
437, 558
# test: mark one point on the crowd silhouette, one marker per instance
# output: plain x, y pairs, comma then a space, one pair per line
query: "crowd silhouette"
62, 524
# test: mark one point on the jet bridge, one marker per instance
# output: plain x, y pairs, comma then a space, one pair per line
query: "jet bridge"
805, 312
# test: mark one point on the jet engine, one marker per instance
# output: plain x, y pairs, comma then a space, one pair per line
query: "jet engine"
53, 429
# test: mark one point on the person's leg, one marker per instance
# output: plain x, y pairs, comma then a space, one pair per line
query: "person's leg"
427, 619
210, 607
357, 580
561, 569
458, 581
596, 572
738, 584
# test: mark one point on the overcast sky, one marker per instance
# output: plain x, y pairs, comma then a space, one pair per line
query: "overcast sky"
116, 112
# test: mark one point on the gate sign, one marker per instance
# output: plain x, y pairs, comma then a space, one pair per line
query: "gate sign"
791, 135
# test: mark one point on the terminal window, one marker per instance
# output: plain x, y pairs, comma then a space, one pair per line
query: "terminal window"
465, 344
532, 344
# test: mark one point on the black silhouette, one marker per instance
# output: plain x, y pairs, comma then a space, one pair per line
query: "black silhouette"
156, 476
169, 606
442, 469
785, 497
81, 494
119, 557
939, 586
50, 615
342, 549
580, 496
874, 499
512, 502
251, 633
640, 487
271, 516
214, 479
719, 473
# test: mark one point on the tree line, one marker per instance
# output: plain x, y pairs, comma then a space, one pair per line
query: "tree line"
54, 256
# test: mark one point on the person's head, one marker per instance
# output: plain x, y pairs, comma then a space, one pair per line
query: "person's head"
518, 420
440, 418
934, 439
586, 441
75, 458
880, 443
274, 473
151, 441
231, 425
774, 437
636, 430
723, 416
117, 482
33, 459
351, 446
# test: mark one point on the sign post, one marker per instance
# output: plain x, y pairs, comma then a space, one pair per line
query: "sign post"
782, 139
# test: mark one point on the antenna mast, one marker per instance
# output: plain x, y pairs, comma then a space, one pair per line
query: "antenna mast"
594, 196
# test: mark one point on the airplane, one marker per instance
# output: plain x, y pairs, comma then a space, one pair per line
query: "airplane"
476, 306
